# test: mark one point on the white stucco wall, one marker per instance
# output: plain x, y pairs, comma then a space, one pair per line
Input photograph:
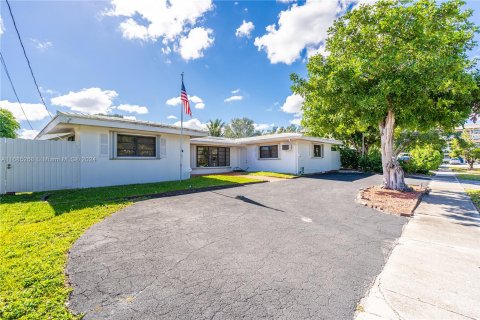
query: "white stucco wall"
330, 160
105, 171
286, 162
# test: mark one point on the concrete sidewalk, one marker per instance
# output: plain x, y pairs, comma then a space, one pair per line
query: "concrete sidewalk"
434, 271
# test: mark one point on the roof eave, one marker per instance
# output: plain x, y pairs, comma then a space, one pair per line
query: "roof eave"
112, 123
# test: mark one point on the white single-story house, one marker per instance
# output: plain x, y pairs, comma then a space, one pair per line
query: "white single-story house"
283, 152
97, 150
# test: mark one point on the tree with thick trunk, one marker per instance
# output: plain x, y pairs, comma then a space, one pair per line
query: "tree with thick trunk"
393, 177
395, 65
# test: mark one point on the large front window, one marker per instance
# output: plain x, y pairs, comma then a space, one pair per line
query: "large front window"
213, 156
269, 152
135, 146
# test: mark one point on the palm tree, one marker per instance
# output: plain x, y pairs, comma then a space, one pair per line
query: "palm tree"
215, 127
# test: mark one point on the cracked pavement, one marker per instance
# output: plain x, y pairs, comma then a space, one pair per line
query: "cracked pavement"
293, 249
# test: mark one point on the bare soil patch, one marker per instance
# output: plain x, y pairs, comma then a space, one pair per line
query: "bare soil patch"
392, 201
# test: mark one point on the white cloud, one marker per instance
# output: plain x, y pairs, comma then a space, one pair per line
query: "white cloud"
172, 117
195, 99
262, 126
311, 51
27, 134
175, 101
130, 117
92, 100
167, 50
293, 104
50, 92
300, 27
132, 108
162, 19
245, 29
200, 106
132, 30
235, 91
34, 111
192, 46
193, 124
233, 98
296, 121
41, 45
2, 29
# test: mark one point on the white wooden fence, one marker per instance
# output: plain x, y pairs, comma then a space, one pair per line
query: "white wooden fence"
33, 165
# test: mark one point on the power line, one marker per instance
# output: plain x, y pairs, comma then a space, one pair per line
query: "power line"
13, 88
26, 57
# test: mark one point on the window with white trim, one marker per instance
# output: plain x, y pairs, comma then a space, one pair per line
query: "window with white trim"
136, 146
213, 156
318, 150
268, 152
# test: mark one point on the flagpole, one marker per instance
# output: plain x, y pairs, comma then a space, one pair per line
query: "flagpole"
181, 138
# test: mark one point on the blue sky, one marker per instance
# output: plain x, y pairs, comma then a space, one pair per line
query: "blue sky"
125, 57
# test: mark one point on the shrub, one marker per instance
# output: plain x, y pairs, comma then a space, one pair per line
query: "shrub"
371, 162
423, 159
349, 158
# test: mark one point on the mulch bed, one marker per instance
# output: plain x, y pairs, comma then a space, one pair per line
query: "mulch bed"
392, 201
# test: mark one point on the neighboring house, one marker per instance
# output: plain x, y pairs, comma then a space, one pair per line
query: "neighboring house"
282, 152
78, 151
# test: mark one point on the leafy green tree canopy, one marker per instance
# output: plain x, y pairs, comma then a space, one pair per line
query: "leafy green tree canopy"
240, 128
293, 128
392, 64
463, 146
406, 140
215, 127
8, 124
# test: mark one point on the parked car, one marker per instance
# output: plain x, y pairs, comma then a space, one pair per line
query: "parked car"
455, 161
404, 156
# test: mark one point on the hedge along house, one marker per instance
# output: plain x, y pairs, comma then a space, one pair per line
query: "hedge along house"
285, 152
116, 151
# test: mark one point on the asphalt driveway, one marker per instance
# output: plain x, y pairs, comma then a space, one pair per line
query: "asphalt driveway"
294, 249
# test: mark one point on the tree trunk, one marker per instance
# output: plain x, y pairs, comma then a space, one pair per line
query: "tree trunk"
393, 177
470, 164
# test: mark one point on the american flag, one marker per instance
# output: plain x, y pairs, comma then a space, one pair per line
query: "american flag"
185, 102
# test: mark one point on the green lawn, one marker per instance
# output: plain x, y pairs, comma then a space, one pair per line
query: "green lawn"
272, 174
475, 196
467, 174
471, 176
35, 236
465, 170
